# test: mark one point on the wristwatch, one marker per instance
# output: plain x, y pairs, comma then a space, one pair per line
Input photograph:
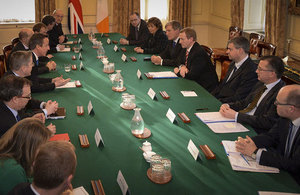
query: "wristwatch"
253, 155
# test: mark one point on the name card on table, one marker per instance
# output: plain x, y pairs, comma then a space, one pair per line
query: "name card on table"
108, 41
124, 58
79, 41
80, 47
122, 183
90, 108
116, 48
98, 138
151, 94
101, 34
193, 150
80, 56
171, 115
81, 66
139, 74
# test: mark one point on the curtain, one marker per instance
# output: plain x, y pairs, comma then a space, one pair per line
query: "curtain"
180, 10
43, 7
276, 20
237, 13
122, 10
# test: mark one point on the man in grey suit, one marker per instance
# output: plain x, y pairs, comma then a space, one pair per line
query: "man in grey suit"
240, 77
258, 109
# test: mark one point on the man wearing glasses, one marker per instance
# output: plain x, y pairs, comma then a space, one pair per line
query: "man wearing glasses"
138, 31
16, 103
280, 147
258, 109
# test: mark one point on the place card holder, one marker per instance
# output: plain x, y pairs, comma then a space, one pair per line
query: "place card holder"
149, 76
106, 35
124, 49
75, 42
164, 95
114, 42
78, 83
133, 59
97, 187
84, 142
207, 152
80, 110
184, 117
74, 67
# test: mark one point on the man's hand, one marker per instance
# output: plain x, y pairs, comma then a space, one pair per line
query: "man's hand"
245, 146
156, 60
124, 41
176, 70
61, 47
40, 116
138, 50
50, 56
51, 65
61, 82
52, 128
227, 112
61, 39
183, 71
51, 107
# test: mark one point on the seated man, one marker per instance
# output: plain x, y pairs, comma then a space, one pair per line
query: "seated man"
49, 21
16, 103
195, 63
23, 44
240, 77
40, 28
169, 55
138, 31
56, 35
53, 170
39, 45
280, 147
258, 109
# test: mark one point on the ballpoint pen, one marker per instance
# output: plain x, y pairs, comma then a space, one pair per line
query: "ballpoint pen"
245, 159
201, 108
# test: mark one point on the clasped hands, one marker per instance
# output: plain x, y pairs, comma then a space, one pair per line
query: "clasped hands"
183, 70
60, 81
138, 50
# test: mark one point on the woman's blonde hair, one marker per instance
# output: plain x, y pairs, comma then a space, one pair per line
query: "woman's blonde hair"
22, 141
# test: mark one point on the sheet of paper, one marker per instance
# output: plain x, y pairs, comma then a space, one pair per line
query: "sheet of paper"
276, 193
68, 85
193, 149
228, 127
189, 93
162, 75
151, 93
138, 74
212, 117
98, 138
80, 191
122, 183
66, 49
90, 107
171, 115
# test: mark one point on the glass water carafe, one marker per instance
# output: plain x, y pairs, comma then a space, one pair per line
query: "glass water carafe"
137, 123
118, 81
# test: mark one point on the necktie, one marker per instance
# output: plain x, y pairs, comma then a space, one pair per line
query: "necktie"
18, 118
232, 72
37, 62
255, 100
186, 57
136, 33
288, 141
174, 44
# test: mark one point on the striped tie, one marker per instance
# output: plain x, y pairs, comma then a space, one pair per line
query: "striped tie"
255, 100
186, 57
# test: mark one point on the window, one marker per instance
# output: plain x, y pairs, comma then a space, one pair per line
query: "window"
254, 15
155, 8
17, 11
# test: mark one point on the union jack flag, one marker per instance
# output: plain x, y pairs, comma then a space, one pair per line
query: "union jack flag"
75, 19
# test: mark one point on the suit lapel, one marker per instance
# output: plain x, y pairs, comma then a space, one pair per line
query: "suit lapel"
228, 73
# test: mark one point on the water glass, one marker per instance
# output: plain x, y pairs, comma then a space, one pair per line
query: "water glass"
67, 67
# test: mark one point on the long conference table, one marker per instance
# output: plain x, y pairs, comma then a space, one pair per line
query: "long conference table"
121, 149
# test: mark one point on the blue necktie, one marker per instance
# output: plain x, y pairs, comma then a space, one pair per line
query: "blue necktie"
18, 118
289, 141
37, 62
174, 43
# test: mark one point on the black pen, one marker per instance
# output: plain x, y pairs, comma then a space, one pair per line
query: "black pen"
201, 108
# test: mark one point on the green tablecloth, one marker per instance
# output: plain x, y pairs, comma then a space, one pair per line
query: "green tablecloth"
121, 150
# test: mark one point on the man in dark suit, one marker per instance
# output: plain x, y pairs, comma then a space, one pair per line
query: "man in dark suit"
258, 109
195, 63
168, 57
53, 170
240, 77
56, 34
138, 31
16, 103
23, 44
280, 147
39, 45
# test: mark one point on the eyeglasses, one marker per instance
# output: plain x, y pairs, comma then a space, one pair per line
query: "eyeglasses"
26, 97
277, 103
260, 69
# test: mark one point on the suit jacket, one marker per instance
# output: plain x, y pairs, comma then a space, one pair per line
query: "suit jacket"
274, 141
265, 115
143, 34
170, 54
18, 47
54, 35
200, 67
22, 188
240, 83
7, 118
156, 43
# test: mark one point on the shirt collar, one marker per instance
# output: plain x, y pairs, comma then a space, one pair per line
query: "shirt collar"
176, 40
25, 46
239, 64
15, 113
36, 57
189, 49
34, 191
16, 74
296, 122
271, 85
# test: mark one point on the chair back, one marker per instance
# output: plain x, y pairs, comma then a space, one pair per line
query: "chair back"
14, 41
209, 52
257, 36
234, 31
2, 66
266, 48
6, 51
